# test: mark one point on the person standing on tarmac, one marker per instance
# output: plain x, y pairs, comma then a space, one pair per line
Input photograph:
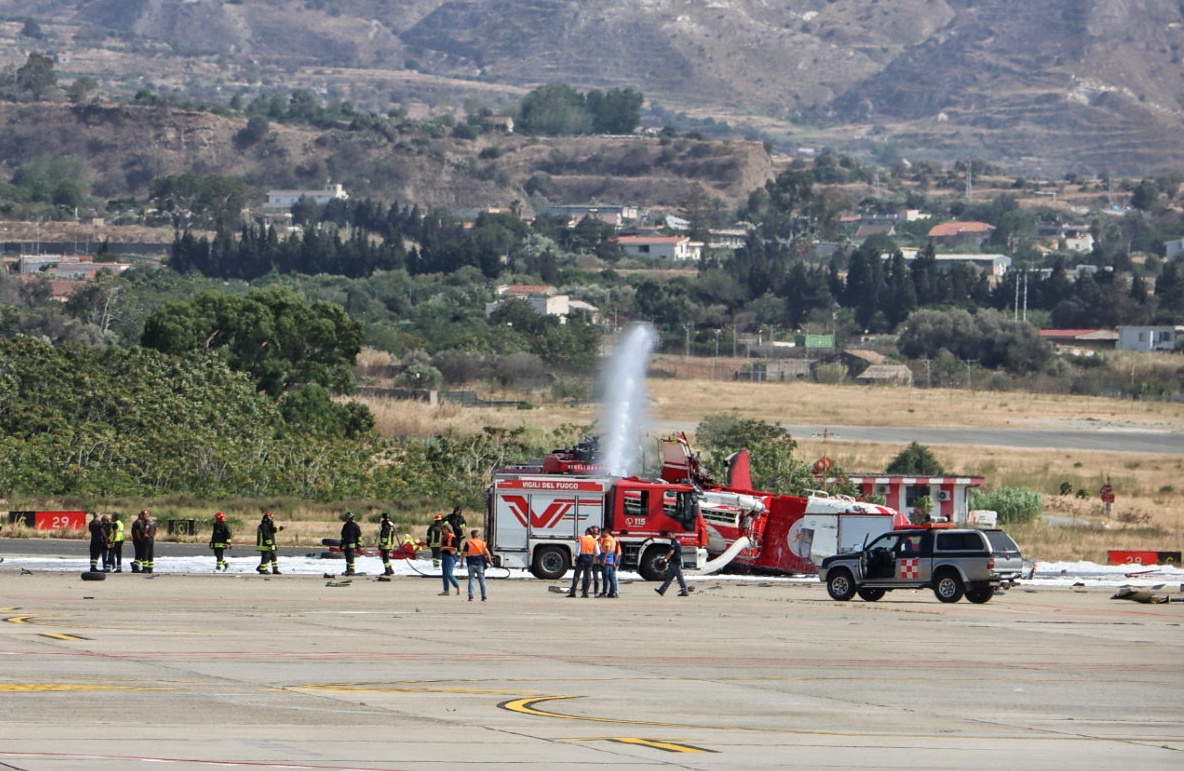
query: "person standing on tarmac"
610, 558
115, 545
351, 541
138, 544
585, 561
265, 543
220, 542
477, 558
388, 540
448, 560
147, 542
673, 566
98, 541
435, 538
456, 520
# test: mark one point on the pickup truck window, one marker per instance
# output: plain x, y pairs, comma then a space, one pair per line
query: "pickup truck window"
960, 541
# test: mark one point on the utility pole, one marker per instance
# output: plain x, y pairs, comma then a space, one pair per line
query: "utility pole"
715, 360
969, 362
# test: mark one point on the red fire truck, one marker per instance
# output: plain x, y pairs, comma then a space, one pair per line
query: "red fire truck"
534, 519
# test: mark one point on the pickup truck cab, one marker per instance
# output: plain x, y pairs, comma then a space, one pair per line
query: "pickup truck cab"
954, 562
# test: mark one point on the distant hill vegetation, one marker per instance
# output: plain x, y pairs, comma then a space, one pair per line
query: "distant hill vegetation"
1043, 88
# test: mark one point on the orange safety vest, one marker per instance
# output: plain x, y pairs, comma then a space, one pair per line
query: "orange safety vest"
587, 544
474, 547
449, 544
608, 545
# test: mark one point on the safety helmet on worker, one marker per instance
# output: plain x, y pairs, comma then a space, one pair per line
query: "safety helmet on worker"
219, 516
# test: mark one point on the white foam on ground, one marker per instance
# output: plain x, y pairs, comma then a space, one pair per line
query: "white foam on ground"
1047, 573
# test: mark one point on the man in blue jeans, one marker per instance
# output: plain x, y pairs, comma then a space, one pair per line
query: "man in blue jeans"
477, 558
673, 566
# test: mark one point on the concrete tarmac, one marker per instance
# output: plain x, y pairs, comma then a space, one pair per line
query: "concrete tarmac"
258, 672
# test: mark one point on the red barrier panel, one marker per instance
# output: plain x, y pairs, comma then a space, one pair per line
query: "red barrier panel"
49, 520
1125, 557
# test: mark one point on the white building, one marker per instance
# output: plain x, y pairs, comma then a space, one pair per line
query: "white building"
545, 300
1157, 338
677, 248
283, 199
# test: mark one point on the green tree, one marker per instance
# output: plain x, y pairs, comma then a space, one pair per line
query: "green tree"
59, 180
770, 449
36, 77
617, 111
1013, 504
81, 88
556, 109
273, 335
915, 459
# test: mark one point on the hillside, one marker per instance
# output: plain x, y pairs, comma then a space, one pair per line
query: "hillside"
1082, 85
127, 146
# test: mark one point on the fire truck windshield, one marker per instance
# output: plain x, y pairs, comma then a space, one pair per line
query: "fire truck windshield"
683, 507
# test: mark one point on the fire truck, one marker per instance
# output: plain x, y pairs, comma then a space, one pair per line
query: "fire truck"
769, 532
534, 518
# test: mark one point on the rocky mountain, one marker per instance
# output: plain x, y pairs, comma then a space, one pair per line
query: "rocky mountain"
1048, 87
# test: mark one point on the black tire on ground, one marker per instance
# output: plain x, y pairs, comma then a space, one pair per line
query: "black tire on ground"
869, 594
653, 563
550, 562
840, 585
979, 595
94, 575
947, 586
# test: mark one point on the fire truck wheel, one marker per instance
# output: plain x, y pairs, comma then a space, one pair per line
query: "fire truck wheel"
868, 594
840, 586
653, 563
948, 586
979, 595
550, 563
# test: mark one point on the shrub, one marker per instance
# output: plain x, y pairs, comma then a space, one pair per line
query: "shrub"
1013, 504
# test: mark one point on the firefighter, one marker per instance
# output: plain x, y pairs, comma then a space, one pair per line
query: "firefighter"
265, 543
585, 561
435, 538
387, 541
115, 545
220, 542
351, 541
137, 544
98, 540
145, 546
448, 559
477, 558
673, 567
456, 520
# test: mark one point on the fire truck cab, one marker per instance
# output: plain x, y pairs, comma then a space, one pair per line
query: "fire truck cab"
534, 520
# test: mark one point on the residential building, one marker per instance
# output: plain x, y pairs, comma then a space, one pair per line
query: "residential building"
1150, 338
676, 248
545, 300
955, 233
284, 199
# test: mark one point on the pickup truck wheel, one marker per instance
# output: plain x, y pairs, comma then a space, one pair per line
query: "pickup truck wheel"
948, 586
840, 586
868, 594
979, 595
550, 563
653, 563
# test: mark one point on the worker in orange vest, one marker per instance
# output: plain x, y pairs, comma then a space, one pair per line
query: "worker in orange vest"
585, 562
477, 558
610, 560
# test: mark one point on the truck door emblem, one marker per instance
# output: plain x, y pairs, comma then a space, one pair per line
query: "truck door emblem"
548, 518
908, 568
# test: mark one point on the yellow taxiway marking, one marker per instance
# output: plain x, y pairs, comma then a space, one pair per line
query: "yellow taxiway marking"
63, 636
42, 687
657, 744
527, 707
